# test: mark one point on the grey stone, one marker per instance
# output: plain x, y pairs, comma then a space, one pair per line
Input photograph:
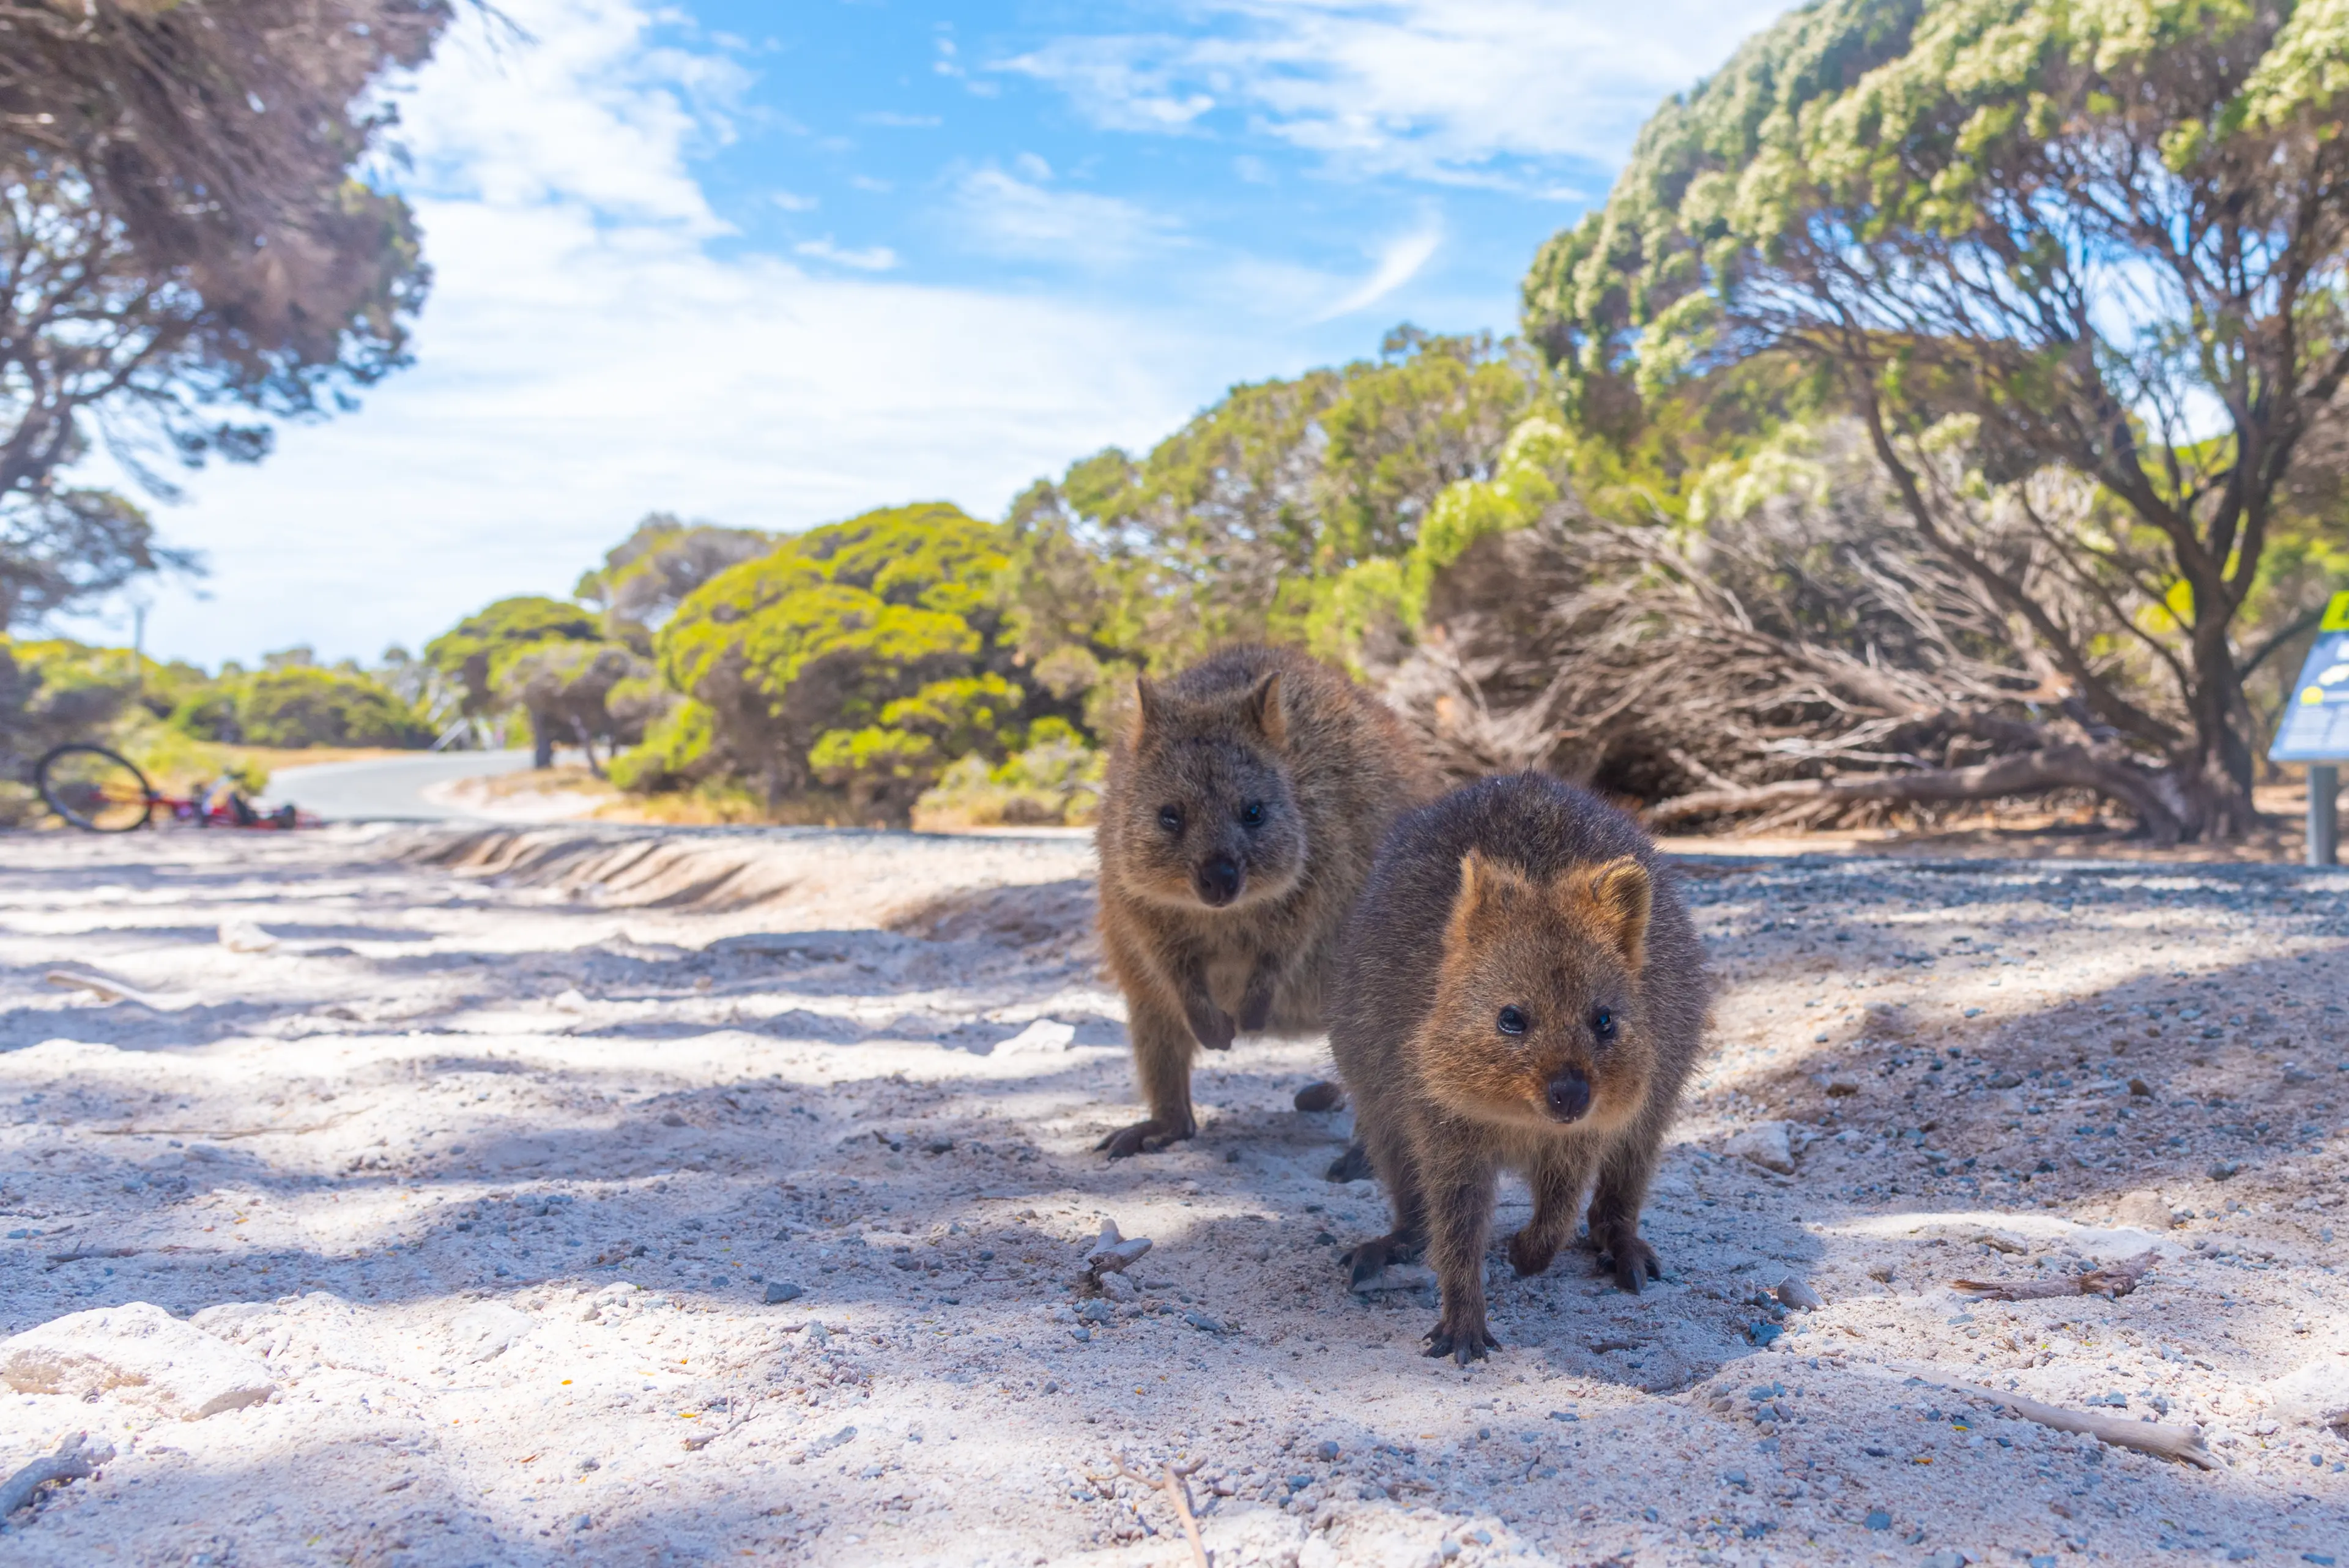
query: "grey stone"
778, 1291
1795, 1293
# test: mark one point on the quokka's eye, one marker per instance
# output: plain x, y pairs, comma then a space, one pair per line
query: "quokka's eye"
1602, 1024
1512, 1021
1170, 818
1252, 813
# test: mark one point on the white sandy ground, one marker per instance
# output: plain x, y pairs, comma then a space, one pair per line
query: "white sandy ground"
486, 1163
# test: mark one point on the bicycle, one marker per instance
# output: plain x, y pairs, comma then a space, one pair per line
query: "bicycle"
100, 791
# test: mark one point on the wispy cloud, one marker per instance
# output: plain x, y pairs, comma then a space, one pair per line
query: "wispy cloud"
872, 258
1031, 218
1398, 262
1443, 89
901, 121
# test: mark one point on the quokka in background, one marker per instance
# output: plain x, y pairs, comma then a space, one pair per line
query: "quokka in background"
1242, 811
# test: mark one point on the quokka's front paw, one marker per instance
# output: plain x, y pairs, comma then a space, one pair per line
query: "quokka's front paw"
1211, 1026
1529, 1255
1463, 1342
1368, 1260
1141, 1137
1631, 1260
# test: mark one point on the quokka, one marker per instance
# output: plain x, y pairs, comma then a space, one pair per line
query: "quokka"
1520, 989
1241, 813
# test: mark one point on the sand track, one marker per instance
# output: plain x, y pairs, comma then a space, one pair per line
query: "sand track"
484, 1149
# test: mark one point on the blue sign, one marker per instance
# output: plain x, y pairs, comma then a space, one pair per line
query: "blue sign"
2315, 727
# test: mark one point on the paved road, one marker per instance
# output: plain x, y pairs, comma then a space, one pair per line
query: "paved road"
387, 789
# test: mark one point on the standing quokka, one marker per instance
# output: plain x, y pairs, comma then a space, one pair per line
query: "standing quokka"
1241, 813
1520, 988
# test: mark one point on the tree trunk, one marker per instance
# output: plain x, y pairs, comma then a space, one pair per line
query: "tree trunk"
542, 741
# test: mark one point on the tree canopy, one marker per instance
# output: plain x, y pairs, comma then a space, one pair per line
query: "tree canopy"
476, 651
845, 653
2104, 239
187, 239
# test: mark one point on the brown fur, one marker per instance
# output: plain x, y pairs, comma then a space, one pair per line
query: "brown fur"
1329, 768
1526, 894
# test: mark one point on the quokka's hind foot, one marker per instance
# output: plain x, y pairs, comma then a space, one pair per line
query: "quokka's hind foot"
1464, 1342
1368, 1260
1143, 1137
1354, 1164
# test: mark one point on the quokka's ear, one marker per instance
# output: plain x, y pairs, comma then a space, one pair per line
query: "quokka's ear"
1475, 885
1265, 710
1619, 895
1487, 888
1149, 707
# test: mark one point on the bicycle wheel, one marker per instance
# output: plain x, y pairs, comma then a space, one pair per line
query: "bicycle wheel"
96, 790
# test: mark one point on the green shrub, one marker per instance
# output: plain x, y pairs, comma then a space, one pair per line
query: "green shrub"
303, 705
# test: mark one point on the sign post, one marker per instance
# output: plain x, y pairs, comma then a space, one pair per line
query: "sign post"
2315, 729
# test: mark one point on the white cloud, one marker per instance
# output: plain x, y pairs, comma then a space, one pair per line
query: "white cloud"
1435, 88
873, 258
1398, 264
1012, 216
587, 356
790, 201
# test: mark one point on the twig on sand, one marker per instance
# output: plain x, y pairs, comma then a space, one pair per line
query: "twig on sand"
1175, 1483
83, 1254
2183, 1444
110, 989
72, 1461
2113, 1280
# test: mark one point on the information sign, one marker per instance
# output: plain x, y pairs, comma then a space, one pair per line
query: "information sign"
2315, 727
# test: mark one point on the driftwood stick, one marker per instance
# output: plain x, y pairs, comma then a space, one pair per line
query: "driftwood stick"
2113, 1280
72, 1461
1176, 1484
107, 989
2183, 1444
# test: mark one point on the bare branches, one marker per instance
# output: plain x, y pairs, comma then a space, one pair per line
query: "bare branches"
2114, 1280
1174, 1481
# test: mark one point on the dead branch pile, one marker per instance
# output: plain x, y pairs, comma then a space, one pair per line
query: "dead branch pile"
1807, 660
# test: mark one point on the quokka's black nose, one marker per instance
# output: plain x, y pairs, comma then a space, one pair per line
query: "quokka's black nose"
1218, 881
1569, 1096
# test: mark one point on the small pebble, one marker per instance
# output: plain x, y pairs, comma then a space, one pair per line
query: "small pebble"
777, 1291
1878, 1520
1203, 1324
1328, 1450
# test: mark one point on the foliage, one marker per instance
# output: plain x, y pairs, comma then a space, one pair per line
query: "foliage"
851, 637
1237, 525
2055, 236
302, 705
583, 691
647, 574
54, 690
183, 229
1055, 781
476, 651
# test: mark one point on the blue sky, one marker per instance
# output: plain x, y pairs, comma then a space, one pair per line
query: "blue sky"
775, 264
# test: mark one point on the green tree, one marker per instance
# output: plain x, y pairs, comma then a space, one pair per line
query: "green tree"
589, 691
1239, 524
823, 635
647, 574
302, 704
476, 650
2104, 239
